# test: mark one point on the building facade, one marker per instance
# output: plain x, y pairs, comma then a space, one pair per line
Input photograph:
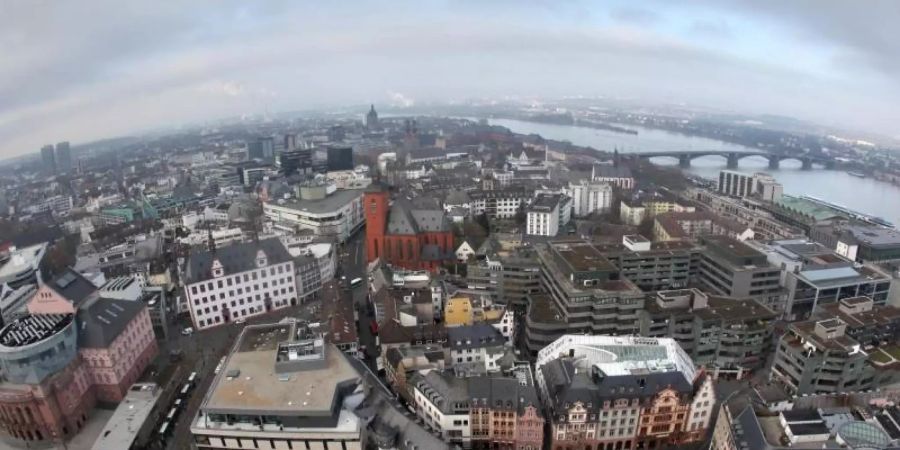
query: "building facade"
623, 393
589, 197
406, 234
336, 214
239, 281
481, 412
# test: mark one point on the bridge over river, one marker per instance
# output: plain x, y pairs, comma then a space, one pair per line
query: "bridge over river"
733, 157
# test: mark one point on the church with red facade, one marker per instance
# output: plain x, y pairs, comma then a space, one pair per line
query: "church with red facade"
410, 233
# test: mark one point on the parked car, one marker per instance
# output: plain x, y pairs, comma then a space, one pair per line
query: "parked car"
187, 331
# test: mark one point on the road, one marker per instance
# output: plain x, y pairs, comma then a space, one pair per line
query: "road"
203, 350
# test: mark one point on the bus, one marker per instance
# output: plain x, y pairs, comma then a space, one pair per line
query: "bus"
185, 390
164, 430
355, 282
192, 378
172, 413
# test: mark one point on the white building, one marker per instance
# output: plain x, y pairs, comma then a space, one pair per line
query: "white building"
59, 205
738, 184
589, 197
499, 203
445, 410
326, 211
238, 281
547, 214
477, 348
464, 251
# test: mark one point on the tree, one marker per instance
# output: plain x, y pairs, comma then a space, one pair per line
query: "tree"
482, 220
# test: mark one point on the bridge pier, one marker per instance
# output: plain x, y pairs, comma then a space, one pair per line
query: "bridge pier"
774, 162
732, 161
684, 161
807, 164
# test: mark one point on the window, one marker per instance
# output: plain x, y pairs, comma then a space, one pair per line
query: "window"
193, 289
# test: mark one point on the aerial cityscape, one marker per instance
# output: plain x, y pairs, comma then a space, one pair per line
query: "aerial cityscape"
213, 237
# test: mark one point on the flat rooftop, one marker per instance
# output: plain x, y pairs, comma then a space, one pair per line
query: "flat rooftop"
875, 236
840, 276
21, 260
542, 310
249, 381
731, 247
582, 257
329, 204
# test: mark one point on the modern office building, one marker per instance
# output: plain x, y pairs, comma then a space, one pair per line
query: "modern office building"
408, 233
735, 183
605, 392
289, 142
589, 197
809, 289
327, 211
63, 157
822, 356
507, 279
239, 281
654, 266
48, 160
281, 386
481, 412
296, 161
19, 267
731, 268
869, 244
726, 336
584, 295
262, 149
339, 158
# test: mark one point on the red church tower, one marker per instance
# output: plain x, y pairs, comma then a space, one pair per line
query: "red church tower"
375, 201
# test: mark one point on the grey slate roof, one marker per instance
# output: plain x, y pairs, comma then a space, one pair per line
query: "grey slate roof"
102, 320
495, 392
607, 171
73, 286
565, 385
479, 335
235, 258
407, 218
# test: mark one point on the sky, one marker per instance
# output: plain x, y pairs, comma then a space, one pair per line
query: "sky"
81, 70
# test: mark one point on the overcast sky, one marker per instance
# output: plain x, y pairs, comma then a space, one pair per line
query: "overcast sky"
89, 69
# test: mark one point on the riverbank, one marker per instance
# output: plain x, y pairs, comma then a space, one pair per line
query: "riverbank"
868, 195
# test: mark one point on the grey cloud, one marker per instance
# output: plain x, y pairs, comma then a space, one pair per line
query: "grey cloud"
104, 68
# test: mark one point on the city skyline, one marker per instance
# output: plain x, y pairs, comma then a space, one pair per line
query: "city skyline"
153, 66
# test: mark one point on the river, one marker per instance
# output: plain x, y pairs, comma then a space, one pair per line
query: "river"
861, 194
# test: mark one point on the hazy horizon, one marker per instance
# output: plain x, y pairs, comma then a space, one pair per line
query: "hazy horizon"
96, 69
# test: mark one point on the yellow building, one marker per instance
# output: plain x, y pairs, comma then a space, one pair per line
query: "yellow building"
458, 312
